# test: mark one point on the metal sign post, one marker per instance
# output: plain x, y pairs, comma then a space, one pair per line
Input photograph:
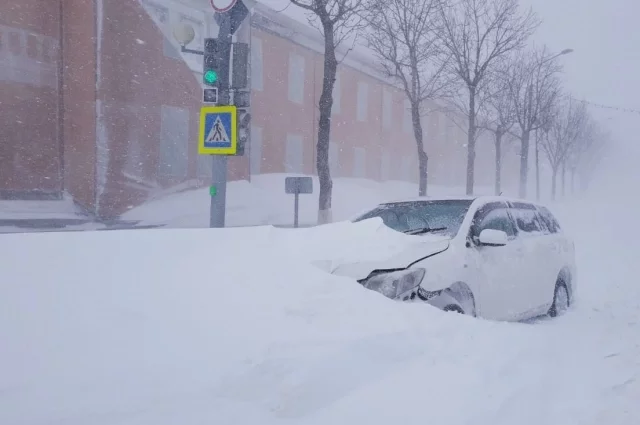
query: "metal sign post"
219, 162
296, 186
230, 15
224, 130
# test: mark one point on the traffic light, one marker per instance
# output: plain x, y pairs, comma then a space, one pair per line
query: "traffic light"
240, 66
210, 95
211, 69
244, 129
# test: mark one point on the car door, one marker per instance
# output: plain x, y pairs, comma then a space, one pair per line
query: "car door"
558, 249
536, 259
496, 267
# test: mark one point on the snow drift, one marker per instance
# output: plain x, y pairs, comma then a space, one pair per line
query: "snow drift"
239, 326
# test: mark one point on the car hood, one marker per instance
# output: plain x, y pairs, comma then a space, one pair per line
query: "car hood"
401, 260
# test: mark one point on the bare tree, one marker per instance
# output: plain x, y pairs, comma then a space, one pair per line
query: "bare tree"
534, 87
338, 19
563, 136
587, 152
478, 34
498, 117
404, 36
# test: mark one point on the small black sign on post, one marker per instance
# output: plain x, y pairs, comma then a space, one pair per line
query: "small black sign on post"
296, 186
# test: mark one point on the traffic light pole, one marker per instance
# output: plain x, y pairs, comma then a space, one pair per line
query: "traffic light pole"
219, 166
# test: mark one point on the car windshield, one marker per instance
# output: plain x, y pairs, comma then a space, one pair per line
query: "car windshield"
443, 216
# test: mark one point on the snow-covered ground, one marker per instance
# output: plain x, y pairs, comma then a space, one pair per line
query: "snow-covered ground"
242, 326
263, 201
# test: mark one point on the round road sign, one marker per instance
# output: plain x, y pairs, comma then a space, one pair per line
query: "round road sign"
222, 6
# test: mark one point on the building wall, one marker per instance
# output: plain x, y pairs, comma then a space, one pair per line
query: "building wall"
30, 146
148, 107
130, 108
382, 139
282, 121
79, 101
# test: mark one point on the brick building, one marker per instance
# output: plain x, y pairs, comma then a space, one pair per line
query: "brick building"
97, 102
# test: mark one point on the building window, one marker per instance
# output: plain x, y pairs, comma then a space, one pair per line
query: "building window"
447, 129
296, 78
363, 101
337, 91
442, 127
170, 50
406, 168
205, 165
174, 141
359, 162
294, 159
255, 150
406, 121
256, 64
161, 13
426, 120
387, 111
334, 158
385, 165
135, 155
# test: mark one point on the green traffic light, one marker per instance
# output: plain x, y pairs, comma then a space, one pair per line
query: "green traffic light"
210, 77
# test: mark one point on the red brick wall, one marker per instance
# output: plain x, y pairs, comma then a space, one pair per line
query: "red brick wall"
273, 111
136, 79
29, 59
79, 98
112, 101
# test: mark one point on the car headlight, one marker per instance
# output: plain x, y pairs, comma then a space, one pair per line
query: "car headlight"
395, 284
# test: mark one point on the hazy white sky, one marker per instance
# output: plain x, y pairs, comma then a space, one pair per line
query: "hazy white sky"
605, 66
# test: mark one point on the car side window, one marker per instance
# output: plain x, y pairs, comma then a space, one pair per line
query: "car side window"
498, 219
549, 220
485, 216
527, 220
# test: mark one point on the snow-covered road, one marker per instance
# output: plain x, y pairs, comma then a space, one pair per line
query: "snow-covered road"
598, 344
171, 327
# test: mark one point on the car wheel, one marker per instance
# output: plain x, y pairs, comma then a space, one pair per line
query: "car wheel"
459, 299
561, 300
453, 308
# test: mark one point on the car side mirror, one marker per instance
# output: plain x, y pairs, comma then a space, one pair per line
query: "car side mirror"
492, 237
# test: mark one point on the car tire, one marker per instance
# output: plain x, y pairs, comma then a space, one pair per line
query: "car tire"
453, 308
459, 299
561, 300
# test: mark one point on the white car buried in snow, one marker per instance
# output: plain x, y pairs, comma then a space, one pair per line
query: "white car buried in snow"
491, 257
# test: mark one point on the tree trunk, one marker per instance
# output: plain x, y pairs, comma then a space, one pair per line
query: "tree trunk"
573, 181
537, 167
498, 161
423, 158
524, 163
324, 127
564, 180
554, 179
471, 142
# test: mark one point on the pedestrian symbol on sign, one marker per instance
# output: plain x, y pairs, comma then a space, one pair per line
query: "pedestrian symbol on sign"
218, 132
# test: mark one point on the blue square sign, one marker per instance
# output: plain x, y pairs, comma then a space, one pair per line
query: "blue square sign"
218, 127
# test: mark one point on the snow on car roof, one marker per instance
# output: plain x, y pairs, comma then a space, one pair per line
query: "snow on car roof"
430, 198
482, 198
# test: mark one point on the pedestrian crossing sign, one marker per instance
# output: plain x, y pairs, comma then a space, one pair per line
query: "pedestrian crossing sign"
218, 130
